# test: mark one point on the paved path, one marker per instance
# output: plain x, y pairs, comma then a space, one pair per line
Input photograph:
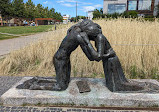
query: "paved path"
6, 46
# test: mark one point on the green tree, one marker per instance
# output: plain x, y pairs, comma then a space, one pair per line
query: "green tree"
38, 11
18, 7
52, 12
30, 10
5, 7
97, 13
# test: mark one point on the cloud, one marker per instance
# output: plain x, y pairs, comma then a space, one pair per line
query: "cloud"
46, 2
91, 8
67, 4
64, 1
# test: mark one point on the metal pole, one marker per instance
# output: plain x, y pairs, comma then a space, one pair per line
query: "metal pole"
76, 11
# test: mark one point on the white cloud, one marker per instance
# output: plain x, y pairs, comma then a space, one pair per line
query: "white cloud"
68, 4
46, 2
64, 1
91, 8
98, 5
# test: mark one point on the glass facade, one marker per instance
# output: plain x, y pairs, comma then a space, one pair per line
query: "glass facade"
144, 5
132, 5
116, 8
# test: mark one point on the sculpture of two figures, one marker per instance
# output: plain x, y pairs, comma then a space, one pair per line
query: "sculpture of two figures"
81, 34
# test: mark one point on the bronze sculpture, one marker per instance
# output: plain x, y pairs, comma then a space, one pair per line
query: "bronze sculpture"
81, 34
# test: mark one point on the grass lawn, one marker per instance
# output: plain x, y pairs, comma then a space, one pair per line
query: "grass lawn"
4, 36
26, 29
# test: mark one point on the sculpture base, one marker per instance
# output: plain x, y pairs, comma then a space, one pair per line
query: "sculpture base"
98, 96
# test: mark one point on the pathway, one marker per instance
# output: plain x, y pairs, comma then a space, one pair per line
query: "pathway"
6, 46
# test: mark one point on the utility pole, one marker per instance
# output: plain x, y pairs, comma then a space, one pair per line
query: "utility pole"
76, 11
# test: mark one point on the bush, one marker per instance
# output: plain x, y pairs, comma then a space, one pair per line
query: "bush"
130, 14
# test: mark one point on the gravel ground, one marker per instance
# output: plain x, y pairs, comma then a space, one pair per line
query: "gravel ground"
6, 82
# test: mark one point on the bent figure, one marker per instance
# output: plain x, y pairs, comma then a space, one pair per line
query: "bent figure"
81, 34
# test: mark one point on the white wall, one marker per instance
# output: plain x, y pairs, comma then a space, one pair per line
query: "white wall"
90, 15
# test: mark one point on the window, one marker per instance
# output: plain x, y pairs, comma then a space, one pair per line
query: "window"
144, 5
132, 5
116, 8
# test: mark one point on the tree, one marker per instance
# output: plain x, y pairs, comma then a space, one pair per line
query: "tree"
97, 13
5, 7
18, 7
30, 10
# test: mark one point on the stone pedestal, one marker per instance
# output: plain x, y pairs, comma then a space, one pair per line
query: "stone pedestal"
98, 96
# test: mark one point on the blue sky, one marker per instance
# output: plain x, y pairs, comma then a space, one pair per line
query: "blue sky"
69, 6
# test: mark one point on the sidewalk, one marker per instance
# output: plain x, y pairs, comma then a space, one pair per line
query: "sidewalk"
6, 46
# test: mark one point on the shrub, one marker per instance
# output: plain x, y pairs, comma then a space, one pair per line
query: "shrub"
130, 14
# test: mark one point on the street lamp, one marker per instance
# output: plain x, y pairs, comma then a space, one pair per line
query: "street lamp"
76, 11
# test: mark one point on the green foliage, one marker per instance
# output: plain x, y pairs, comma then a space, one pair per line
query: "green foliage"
4, 36
17, 8
98, 13
130, 14
114, 15
136, 73
25, 30
78, 17
5, 7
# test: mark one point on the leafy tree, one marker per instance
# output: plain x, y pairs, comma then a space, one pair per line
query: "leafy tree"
39, 11
98, 13
18, 7
30, 9
5, 7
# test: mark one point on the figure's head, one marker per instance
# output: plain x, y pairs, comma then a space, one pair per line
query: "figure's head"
92, 29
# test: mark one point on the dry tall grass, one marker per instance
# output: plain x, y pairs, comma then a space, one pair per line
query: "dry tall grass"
136, 44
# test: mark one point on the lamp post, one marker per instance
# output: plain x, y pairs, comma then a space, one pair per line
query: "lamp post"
76, 11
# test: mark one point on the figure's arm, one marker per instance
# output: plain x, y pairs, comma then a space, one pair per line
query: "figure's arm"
87, 47
101, 44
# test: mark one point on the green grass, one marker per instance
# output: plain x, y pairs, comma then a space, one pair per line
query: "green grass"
4, 36
26, 29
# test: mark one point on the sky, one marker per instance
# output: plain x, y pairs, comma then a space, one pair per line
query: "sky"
69, 6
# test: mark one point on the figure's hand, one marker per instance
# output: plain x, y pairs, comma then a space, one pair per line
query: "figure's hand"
110, 53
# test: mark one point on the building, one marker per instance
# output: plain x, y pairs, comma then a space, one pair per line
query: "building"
143, 7
66, 18
90, 15
45, 21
